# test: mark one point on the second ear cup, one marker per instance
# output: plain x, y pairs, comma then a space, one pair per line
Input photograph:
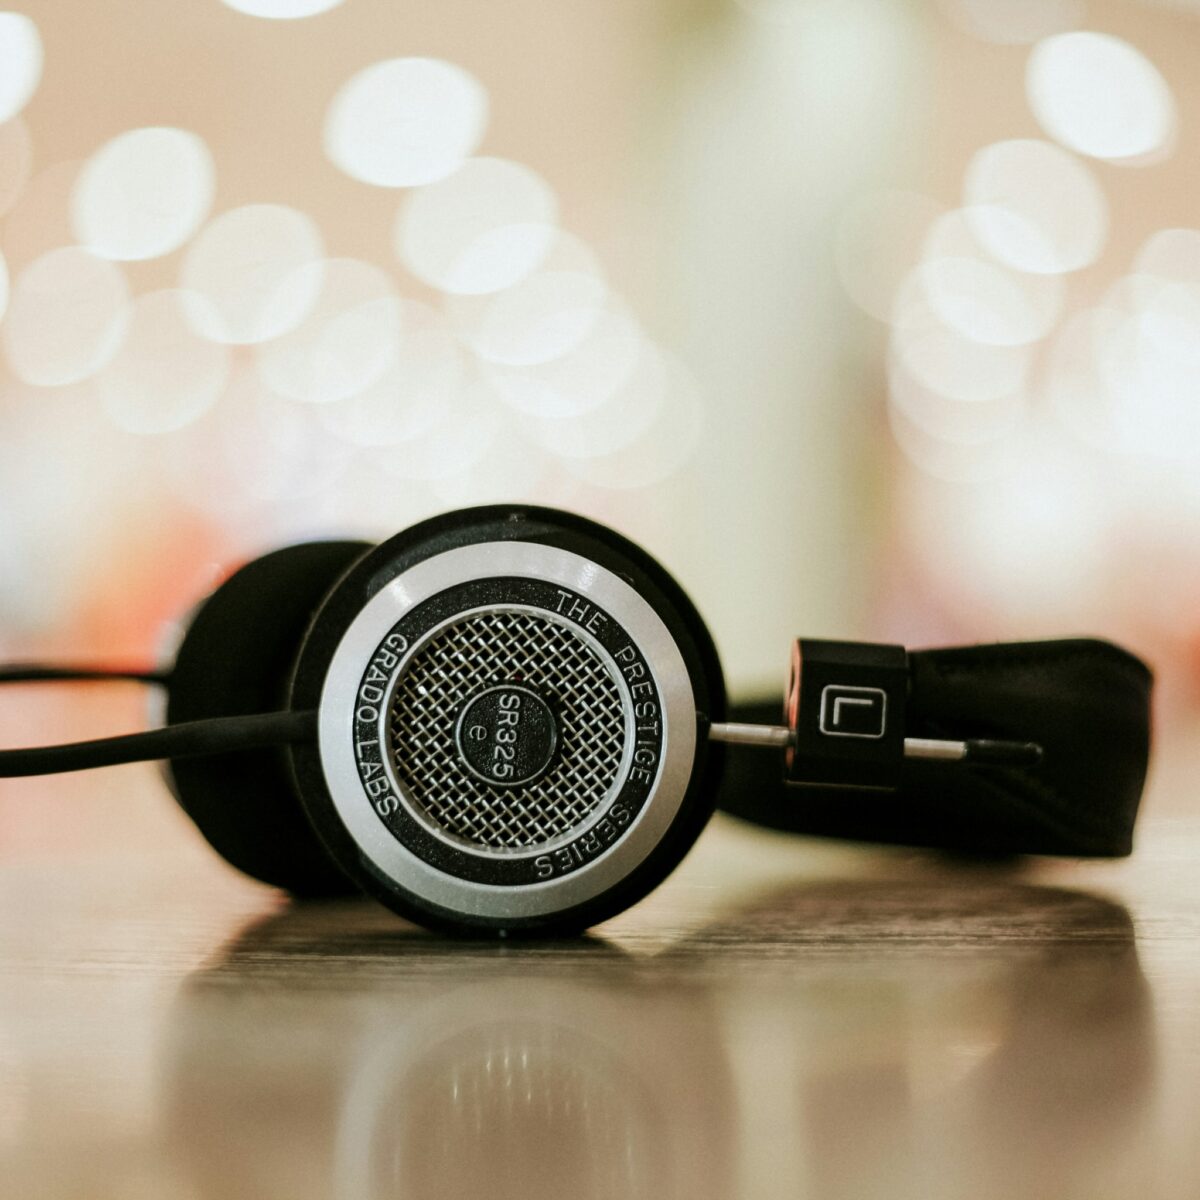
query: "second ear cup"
236, 658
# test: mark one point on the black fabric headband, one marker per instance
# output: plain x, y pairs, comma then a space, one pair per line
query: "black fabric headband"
1086, 702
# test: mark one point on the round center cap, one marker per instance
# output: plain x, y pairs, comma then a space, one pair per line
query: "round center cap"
506, 735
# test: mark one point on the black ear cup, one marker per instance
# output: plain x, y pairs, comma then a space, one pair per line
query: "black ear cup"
236, 658
499, 607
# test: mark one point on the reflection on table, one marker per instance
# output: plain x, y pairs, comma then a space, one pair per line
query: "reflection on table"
923, 1038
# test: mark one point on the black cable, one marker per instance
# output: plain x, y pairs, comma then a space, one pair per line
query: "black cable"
190, 739
35, 673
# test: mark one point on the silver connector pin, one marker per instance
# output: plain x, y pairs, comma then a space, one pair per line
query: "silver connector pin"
777, 736
981, 750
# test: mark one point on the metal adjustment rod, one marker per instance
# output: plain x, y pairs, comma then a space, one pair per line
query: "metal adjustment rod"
845, 711
992, 751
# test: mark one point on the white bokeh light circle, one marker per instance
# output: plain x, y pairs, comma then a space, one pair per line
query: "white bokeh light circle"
957, 460
1169, 322
245, 264
484, 228
1148, 365
165, 374
982, 301
16, 161
1097, 95
406, 122
878, 242
467, 425
347, 341
412, 394
580, 381
1169, 262
1121, 376
941, 358
281, 10
1071, 387
542, 317
1035, 207
20, 62
987, 303
625, 414
951, 236
66, 317
662, 448
1171, 254
143, 194
951, 420
979, 297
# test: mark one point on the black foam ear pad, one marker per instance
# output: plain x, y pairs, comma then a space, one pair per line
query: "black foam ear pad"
236, 658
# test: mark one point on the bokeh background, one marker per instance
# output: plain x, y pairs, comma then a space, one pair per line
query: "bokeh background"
870, 318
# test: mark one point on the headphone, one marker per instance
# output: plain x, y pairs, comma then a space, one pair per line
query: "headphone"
513, 720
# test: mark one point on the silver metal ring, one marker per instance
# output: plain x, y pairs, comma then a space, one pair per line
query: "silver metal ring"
521, 560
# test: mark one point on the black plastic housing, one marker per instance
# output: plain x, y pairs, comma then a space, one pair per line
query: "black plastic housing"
845, 706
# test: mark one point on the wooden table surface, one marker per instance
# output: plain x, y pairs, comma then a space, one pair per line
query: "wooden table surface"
782, 1018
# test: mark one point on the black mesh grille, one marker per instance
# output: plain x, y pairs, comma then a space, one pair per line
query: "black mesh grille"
507, 646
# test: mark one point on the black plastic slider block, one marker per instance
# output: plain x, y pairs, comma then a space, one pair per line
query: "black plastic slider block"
845, 707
